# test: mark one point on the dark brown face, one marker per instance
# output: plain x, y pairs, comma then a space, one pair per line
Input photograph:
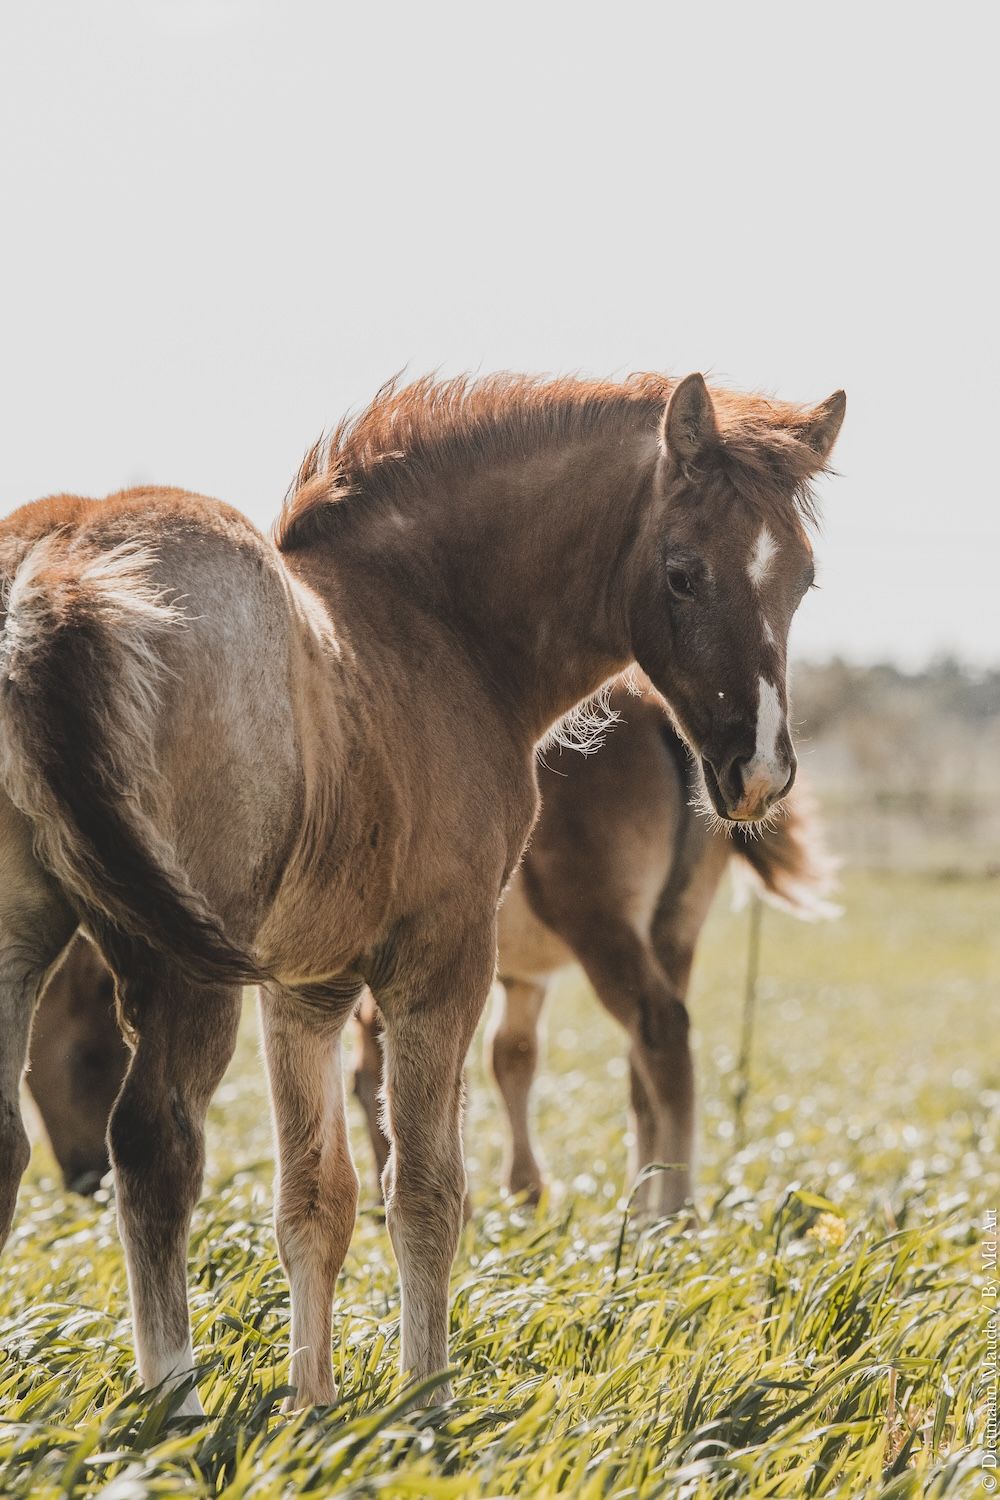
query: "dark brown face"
723, 579
729, 586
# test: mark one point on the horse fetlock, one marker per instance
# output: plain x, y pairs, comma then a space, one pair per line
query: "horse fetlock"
525, 1179
429, 1218
662, 1193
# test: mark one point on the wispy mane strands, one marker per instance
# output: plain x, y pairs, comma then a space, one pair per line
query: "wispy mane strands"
409, 434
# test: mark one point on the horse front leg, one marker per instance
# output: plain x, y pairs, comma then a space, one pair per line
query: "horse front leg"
316, 1193
185, 1034
429, 1026
632, 986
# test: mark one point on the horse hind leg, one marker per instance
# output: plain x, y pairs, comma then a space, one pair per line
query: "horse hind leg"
185, 1036
512, 1053
642, 1120
35, 926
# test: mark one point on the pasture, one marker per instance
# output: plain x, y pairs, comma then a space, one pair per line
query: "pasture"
820, 1332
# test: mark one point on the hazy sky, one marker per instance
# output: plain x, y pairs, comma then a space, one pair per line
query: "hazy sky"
226, 222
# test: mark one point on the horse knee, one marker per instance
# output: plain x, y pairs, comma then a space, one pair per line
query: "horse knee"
156, 1142
665, 1024
513, 1057
315, 1215
425, 1208
512, 1038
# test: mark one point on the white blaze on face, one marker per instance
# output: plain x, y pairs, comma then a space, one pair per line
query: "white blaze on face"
769, 724
766, 773
765, 549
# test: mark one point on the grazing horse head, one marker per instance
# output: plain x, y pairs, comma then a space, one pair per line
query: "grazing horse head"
725, 561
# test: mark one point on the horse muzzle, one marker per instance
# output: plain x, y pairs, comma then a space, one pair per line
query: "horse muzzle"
745, 788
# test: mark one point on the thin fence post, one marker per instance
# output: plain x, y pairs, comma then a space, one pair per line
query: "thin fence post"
742, 1086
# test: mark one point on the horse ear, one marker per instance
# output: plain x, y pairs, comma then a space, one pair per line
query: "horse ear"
822, 424
689, 424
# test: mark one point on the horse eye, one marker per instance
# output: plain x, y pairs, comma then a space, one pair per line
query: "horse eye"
679, 583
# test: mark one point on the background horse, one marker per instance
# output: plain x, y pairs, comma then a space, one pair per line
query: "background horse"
619, 876
313, 766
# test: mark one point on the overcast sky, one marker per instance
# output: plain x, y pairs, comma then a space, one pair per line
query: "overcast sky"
224, 223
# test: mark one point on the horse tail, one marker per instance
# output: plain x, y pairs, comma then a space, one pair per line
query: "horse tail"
81, 669
788, 860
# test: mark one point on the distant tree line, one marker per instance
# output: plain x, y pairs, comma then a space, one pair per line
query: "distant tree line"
944, 689
909, 762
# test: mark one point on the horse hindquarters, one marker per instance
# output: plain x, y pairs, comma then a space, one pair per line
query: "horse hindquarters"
155, 708
149, 747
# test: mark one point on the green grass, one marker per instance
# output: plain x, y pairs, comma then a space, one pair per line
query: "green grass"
754, 1355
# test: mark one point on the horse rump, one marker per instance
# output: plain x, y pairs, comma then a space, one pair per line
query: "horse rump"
80, 676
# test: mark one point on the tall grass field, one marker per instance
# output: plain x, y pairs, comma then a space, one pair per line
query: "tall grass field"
821, 1330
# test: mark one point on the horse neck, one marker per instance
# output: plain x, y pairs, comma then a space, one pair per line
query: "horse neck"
526, 562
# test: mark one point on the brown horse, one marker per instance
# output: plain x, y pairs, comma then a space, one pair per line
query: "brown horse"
619, 876
76, 1063
313, 767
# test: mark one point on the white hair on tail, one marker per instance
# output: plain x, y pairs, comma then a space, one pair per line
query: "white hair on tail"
119, 579
113, 590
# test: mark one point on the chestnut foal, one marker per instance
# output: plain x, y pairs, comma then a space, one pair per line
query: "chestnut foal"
618, 876
312, 766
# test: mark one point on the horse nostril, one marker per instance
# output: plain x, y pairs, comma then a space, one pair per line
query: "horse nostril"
745, 778
733, 778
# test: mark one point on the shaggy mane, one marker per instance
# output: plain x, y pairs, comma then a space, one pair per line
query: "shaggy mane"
411, 433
